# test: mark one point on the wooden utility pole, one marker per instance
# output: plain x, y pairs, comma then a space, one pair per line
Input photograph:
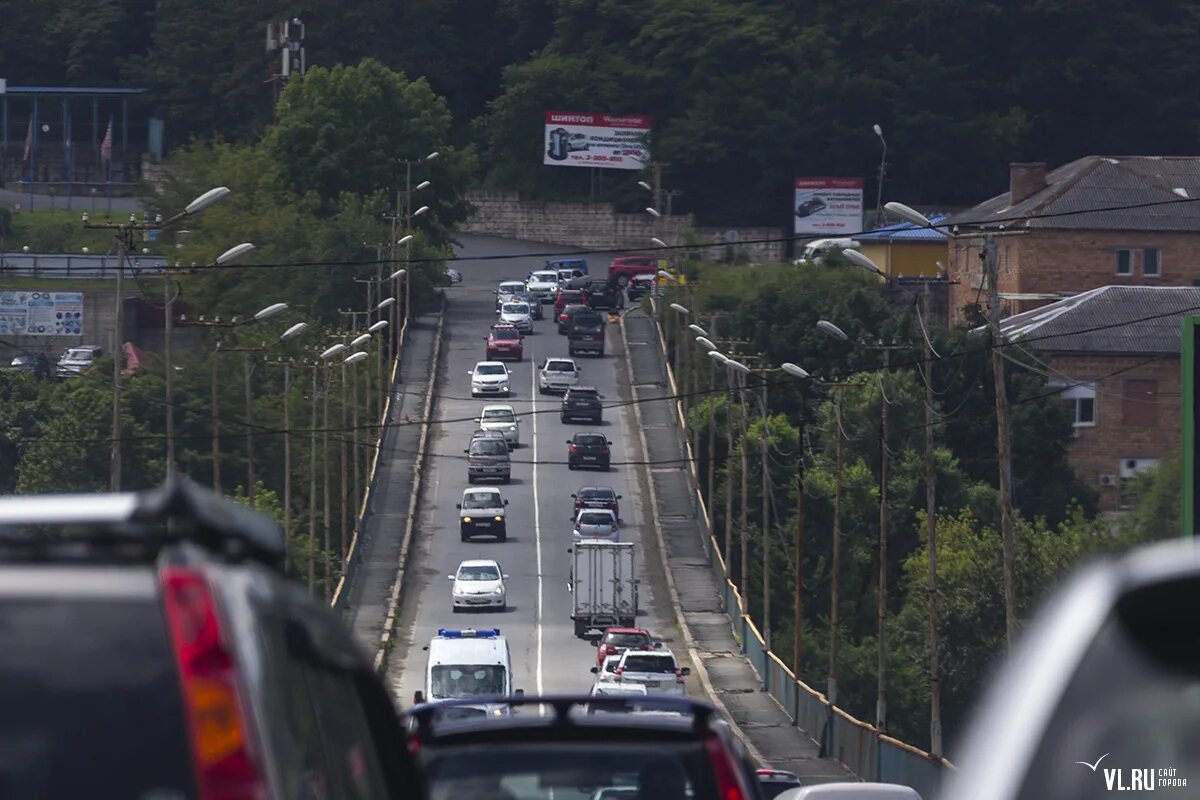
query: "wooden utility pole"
312, 485
744, 585
766, 521
287, 466
835, 560
881, 645
712, 427
935, 711
248, 370
325, 480
114, 478
216, 422
798, 569
344, 506
1003, 453
729, 474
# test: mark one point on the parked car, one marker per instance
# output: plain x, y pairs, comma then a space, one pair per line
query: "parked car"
34, 364
145, 664
502, 419
490, 378
557, 375
588, 450
482, 512
595, 523
504, 341
640, 285
76, 359
564, 316
623, 268
582, 402
598, 497
688, 754
566, 297
518, 315
657, 670
478, 583
616, 641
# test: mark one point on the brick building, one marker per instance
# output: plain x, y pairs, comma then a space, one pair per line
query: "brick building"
1114, 352
1050, 243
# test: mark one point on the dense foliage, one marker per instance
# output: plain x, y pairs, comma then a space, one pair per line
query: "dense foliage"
744, 94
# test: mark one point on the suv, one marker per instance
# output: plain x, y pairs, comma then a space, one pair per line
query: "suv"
566, 297
482, 513
504, 341
640, 285
543, 283
598, 497
642, 753
604, 295
153, 642
616, 641
588, 450
487, 457
557, 375
582, 402
76, 359
585, 333
657, 670
564, 316
624, 268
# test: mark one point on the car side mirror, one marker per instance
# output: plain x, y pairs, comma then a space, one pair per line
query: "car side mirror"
458, 506
466, 451
685, 671
619, 497
505, 502
505, 576
607, 442
451, 577
594, 670
568, 441
574, 497
418, 698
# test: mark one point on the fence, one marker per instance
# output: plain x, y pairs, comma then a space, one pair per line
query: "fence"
34, 265
869, 754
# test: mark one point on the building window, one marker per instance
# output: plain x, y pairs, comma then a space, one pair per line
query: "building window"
1139, 404
1151, 262
1124, 261
1083, 404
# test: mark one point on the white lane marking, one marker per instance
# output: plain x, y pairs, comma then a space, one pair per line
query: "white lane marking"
537, 523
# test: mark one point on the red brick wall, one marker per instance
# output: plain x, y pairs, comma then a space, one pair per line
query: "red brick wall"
1067, 261
1099, 450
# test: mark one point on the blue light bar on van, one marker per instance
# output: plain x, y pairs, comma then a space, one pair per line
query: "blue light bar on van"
468, 633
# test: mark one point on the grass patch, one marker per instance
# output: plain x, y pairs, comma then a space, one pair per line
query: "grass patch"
59, 231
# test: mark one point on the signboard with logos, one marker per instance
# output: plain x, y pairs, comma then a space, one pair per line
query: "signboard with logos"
828, 206
605, 141
41, 313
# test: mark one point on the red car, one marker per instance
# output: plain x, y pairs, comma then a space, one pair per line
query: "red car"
617, 640
624, 268
566, 297
505, 341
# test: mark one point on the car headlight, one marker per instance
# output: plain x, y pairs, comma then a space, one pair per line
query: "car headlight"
466, 519
512, 428
458, 591
499, 590
499, 518
497, 712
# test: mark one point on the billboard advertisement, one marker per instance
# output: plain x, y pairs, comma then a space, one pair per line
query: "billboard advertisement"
828, 206
41, 313
605, 141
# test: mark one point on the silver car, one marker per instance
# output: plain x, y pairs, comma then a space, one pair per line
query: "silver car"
518, 315
557, 375
75, 360
595, 523
502, 418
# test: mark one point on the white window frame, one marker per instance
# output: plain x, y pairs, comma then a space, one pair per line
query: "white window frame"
1157, 274
1075, 393
1117, 259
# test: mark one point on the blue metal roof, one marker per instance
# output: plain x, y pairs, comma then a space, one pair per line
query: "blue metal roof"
905, 232
74, 90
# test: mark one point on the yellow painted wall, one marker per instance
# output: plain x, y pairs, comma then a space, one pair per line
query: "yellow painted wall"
906, 259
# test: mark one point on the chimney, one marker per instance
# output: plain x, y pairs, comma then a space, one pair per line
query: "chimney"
1025, 180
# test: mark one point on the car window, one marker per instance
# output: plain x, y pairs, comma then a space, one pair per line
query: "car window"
89, 688
80, 354
610, 664
506, 334
481, 500
597, 494
499, 415
515, 308
581, 392
491, 369
488, 447
512, 287
626, 639
650, 663
590, 439
544, 277
351, 756
595, 518
560, 366
478, 573
466, 680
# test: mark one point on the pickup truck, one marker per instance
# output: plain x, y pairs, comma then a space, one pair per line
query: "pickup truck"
603, 588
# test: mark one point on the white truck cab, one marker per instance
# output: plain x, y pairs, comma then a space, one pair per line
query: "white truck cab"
468, 663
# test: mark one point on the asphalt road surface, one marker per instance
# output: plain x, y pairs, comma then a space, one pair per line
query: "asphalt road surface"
546, 656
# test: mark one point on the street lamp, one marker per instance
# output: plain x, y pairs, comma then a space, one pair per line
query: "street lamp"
882, 169
422, 185
357, 343
380, 306
717, 355
658, 241
706, 344
645, 186
404, 240
420, 211
696, 329
832, 330
795, 370
859, 260
234, 252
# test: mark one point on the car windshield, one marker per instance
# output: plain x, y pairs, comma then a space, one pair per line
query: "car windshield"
511, 334
515, 308
627, 639
584, 393
588, 323
499, 414
448, 681
490, 369
509, 288
597, 494
481, 500
595, 518
483, 572
544, 277
79, 355
488, 447
560, 366
650, 663
572, 296
590, 439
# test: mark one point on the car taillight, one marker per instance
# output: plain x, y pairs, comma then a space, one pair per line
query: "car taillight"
574, 449
221, 751
678, 676
724, 774
606, 449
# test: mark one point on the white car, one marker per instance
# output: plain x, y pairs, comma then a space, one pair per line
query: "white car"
482, 512
607, 672
657, 670
453, 275
502, 418
518, 315
478, 583
565, 276
595, 523
557, 375
543, 283
490, 378
507, 291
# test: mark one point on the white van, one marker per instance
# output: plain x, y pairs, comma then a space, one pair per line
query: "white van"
468, 663
817, 248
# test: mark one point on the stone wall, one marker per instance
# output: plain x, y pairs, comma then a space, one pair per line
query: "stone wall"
598, 226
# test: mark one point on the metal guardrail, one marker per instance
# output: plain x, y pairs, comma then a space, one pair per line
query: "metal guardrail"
869, 754
57, 266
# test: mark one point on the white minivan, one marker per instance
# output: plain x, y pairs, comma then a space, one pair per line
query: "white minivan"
468, 663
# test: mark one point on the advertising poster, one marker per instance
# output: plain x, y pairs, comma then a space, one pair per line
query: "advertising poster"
828, 206
596, 140
41, 313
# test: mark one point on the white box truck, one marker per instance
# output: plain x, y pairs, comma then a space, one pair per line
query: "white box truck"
603, 587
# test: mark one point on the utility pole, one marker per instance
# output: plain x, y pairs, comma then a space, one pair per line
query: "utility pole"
287, 467
712, 426
1003, 452
248, 370
286, 38
881, 648
216, 422
168, 313
344, 506
745, 505
798, 574
766, 522
123, 244
728, 474
935, 712
835, 560
312, 484
325, 479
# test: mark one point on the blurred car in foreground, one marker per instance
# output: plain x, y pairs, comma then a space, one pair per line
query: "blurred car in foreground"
774, 782
1100, 694
683, 754
849, 791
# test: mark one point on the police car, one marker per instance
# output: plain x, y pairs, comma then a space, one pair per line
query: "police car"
466, 663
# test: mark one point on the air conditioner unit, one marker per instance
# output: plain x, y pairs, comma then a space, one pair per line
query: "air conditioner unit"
1108, 480
1132, 466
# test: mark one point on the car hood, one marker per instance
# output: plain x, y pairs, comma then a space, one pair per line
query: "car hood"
512, 316
559, 376
476, 587
497, 425
498, 511
489, 378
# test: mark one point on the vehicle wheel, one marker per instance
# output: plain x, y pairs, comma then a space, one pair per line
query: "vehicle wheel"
462, 537
502, 537
505, 480
563, 418
622, 281
570, 466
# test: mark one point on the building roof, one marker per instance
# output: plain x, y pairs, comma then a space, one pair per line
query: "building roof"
1111, 319
906, 232
1098, 182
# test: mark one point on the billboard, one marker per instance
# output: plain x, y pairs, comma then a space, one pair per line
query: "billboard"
596, 140
828, 206
41, 313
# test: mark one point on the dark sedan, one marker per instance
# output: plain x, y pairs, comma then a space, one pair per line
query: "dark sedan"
597, 497
589, 450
